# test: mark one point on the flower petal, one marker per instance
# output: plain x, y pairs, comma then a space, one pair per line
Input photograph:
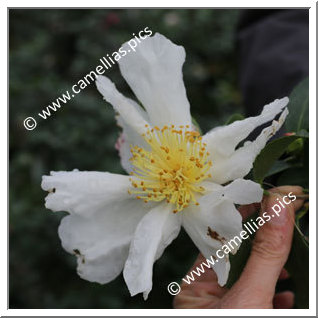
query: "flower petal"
239, 191
123, 147
222, 269
129, 118
242, 191
154, 233
128, 138
85, 193
154, 73
130, 111
240, 162
223, 140
102, 221
210, 227
101, 243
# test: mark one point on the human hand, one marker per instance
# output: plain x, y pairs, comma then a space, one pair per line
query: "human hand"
256, 286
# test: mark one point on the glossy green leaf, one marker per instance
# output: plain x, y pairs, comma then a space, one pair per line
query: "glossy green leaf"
298, 106
277, 167
267, 157
294, 176
296, 146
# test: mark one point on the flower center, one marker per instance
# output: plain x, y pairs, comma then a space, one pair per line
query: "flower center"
173, 167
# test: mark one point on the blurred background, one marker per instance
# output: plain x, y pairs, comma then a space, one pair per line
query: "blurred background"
50, 50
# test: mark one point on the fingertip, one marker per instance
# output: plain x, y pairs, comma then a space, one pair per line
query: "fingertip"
284, 300
290, 190
287, 189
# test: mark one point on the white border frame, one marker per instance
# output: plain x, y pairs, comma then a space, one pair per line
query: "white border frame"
312, 162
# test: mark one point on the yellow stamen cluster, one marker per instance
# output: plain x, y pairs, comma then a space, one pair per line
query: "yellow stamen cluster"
173, 168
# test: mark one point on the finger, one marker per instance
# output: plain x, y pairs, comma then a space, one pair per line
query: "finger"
269, 253
248, 210
285, 190
284, 300
208, 275
203, 292
204, 284
193, 301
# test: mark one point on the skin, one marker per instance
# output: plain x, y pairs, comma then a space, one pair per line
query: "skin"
256, 286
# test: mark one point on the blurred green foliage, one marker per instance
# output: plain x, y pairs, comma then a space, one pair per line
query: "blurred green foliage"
50, 50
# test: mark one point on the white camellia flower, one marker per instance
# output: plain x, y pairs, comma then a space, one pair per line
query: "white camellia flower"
177, 178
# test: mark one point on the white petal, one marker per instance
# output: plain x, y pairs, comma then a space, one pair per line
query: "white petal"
241, 161
222, 269
154, 72
210, 227
131, 117
128, 138
101, 243
154, 233
239, 191
85, 193
242, 191
102, 221
131, 113
223, 140
123, 147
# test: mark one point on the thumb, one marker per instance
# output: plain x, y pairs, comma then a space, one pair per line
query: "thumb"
270, 251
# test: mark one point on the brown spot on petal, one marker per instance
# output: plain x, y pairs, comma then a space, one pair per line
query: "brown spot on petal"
215, 236
77, 252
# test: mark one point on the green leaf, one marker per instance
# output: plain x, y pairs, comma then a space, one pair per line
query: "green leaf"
294, 176
267, 157
296, 146
298, 106
298, 267
234, 118
277, 167
303, 133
